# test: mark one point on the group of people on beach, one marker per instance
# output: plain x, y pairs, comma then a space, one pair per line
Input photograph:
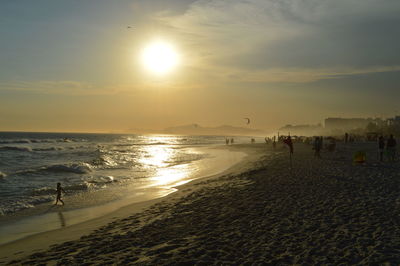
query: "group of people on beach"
386, 146
227, 140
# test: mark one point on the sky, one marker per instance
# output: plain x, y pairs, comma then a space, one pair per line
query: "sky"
74, 66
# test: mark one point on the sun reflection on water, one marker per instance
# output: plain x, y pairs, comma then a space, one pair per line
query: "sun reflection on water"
162, 158
158, 156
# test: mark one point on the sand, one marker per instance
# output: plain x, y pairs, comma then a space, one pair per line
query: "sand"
263, 211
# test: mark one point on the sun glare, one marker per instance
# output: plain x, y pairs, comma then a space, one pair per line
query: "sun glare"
159, 57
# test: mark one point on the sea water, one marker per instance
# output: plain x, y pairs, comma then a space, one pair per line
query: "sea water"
96, 169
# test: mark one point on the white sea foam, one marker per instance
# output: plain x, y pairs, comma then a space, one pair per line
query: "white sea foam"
8, 207
78, 187
79, 168
101, 179
43, 191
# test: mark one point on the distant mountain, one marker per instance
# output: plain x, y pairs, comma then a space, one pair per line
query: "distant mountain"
225, 130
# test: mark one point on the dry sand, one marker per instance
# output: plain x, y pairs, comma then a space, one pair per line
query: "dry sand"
326, 211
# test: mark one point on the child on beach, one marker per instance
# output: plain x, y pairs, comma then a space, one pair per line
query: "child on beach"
59, 190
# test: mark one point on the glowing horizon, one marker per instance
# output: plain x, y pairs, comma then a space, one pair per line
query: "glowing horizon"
133, 65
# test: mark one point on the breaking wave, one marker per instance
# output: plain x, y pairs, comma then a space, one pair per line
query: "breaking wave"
49, 149
12, 206
15, 141
69, 188
101, 180
78, 168
15, 148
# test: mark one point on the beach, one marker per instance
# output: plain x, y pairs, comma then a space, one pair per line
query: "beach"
263, 210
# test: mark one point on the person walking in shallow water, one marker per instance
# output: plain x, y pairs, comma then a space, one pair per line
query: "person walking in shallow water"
59, 190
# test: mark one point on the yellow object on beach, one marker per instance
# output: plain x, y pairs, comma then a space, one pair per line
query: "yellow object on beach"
359, 157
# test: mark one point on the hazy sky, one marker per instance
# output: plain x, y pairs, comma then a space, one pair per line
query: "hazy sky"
74, 65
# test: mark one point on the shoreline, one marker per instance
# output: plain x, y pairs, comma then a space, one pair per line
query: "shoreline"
42, 240
319, 211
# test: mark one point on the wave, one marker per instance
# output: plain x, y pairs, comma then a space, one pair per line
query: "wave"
52, 190
101, 180
12, 206
66, 140
25, 141
43, 191
42, 140
49, 149
143, 144
104, 161
78, 168
15, 141
15, 148
78, 187
2, 175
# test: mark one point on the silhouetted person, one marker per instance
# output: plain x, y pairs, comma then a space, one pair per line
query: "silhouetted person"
227, 141
317, 147
346, 137
231, 140
391, 148
59, 190
288, 141
381, 145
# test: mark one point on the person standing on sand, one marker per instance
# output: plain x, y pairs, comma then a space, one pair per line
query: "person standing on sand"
381, 145
317, 147
59, 190
288, 141
391, 148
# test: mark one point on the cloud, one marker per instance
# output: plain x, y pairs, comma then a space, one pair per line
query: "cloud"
290, 37
67, 87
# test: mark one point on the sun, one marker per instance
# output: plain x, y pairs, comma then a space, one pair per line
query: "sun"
159, 57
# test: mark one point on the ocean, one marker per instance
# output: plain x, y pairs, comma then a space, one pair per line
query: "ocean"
96, 169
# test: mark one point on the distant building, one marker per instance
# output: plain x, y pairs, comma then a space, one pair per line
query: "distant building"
394, 121
346, 124
302, 130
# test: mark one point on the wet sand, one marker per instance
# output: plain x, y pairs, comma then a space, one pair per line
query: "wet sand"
326, 211
90, 205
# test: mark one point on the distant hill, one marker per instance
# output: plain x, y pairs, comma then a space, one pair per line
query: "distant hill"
225, 130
